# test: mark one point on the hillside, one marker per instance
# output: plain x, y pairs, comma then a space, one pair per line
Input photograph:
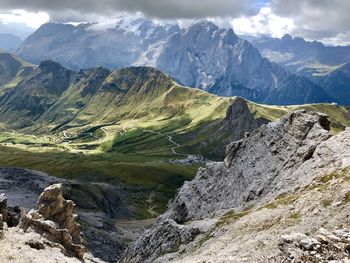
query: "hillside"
337, 83
9, 42
12, 70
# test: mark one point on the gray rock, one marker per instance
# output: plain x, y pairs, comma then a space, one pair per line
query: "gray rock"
274, 159
326, 247
165, 238
255, 168
54, 218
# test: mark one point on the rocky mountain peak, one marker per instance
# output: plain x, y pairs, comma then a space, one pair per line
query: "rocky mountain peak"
50, 66
287, 37
245, 175
230, 37
203, 24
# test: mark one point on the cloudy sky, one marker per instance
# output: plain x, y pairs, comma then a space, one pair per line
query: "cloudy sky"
323, 20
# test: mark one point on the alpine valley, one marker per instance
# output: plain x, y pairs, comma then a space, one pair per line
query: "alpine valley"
172, 144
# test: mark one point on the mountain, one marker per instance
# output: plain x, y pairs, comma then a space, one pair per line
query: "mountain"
202, 56
84, 47
9, 42
337, 83
269, 201
52, 99
311, 59
214, 59
36, 93
12, 70
295, 89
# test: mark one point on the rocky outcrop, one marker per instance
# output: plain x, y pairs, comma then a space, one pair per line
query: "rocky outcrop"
165, 238
324, 246
9, 215
97, 204
255, 168
54, 218
274, 159
48, 233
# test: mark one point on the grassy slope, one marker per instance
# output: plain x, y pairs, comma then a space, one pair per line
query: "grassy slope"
15, 68
99, 131
338, 115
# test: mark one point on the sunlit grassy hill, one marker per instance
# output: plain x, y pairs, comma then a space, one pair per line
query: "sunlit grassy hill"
135, 127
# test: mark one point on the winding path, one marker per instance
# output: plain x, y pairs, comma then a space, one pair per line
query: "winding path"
170, 139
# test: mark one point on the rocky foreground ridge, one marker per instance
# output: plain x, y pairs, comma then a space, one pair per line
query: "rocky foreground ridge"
281, 195
48, 233
98, 205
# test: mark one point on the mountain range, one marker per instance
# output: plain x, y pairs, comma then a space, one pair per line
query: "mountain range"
202, 55
9, 42
311, 59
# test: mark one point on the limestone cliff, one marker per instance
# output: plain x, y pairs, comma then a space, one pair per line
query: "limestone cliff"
270, 164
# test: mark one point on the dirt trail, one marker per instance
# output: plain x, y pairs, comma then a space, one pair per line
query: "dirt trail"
171, 140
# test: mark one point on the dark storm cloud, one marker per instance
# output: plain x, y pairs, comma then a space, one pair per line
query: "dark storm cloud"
153, 8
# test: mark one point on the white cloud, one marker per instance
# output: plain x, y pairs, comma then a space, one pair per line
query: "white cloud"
263, 23
324, 20
31, 19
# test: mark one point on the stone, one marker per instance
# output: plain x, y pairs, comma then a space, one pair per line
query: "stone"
309, 243
166, 237
54, 219
3, 207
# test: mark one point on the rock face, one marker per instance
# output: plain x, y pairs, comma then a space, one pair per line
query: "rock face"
254, 167
54, 218
86, 46
274, 159
9, 215
165, 238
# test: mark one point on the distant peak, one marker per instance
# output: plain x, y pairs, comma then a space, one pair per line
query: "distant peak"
49, 65
287, 37
204, 24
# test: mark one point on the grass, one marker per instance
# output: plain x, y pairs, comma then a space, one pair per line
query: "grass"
338, 115
282, 199
231, 216
134, 172
346, 198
